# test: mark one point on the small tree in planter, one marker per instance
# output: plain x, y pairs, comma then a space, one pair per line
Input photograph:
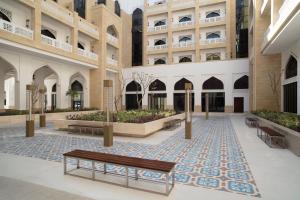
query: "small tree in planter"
72, 94
144, 80
274, 82
119, 98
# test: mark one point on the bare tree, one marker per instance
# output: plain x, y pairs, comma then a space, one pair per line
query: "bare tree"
119, 98
144, 80
274, 81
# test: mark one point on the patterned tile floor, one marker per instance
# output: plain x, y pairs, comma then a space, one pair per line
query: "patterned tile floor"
212, 159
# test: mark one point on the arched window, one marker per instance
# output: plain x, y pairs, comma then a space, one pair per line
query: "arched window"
185, 19
157, 85
160, 23
54, 88
80, 46
160, 61
212, 35
213, 14
101, 2
133, 86
242, 83
291, 68
48, 33
160, 42
213, 56
4, 17
76, 86
185, 59
185, 39
213, 84
117, 9
180, 85
112, 31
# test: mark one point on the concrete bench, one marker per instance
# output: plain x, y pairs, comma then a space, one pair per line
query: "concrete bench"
172, 123
85, 127
272, 137
137, 164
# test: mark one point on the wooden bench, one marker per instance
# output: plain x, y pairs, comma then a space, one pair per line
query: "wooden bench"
251, 122
272, 137
85, 127
166, 168
172, 123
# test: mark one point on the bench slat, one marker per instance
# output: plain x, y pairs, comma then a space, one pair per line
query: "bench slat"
123, 160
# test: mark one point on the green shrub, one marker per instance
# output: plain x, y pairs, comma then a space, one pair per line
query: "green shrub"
289, 120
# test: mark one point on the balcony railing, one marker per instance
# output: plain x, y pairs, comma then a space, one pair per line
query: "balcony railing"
14, 29
157, 28
57, 44
212, 41
184, 44
158, 47
213, 19
183, 24
55, 9
112, 39
88, 27
87, 54
111, 61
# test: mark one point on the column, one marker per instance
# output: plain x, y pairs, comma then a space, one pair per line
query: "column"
228, 87
37, 21
170, 95
197, 91
2, 96
74, 33
145, 101
298, 88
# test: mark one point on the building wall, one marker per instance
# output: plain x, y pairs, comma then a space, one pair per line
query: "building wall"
226, 71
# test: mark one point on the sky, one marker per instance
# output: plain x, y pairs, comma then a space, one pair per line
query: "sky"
130, 5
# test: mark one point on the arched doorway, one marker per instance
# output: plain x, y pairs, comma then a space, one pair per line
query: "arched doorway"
112, 31
157, 95
179, 95
9, 87
216, 95
239, 101
290, 86
133, 93
46, 77
77, 91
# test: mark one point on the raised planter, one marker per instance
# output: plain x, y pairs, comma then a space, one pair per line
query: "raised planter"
124, 129
292, 137
17, 119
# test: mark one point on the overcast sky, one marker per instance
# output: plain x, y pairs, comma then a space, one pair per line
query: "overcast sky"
130, 5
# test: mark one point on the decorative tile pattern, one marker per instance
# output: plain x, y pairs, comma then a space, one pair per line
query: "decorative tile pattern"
212, 159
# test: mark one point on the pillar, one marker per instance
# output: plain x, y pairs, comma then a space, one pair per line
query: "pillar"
2, 96
170, 95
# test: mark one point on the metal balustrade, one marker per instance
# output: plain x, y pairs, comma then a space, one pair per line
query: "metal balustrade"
183, 24
87, 54
184, 44
212, 41
111, 61
112, 38
157, 28
15, 29
157, 47
213, 19
57, 44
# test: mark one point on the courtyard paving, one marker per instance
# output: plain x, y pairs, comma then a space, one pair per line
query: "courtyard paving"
213, 160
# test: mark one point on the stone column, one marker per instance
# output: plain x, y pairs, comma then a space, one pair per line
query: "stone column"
170, 95
37, 21
298, 87
2, 96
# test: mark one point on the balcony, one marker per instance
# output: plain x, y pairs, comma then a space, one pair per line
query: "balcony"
112, 39
87, 54
157, 28
16, 30
156, 7
188, 44
213, 19
212, 41
111, 61
89, 28
56, 44
157, 47
58, 12
183, 24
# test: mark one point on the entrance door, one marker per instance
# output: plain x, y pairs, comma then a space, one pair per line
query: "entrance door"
238, 104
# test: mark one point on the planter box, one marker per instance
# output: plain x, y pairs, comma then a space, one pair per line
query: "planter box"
124, 129
17, 119
292, 137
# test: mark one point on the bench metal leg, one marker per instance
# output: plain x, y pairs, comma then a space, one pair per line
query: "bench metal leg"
65, 165
136, 174
167, 183
93, 170
104, 168
78, 164
127, 178
173, 177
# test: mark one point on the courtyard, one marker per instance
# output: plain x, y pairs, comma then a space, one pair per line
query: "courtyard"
224, 160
